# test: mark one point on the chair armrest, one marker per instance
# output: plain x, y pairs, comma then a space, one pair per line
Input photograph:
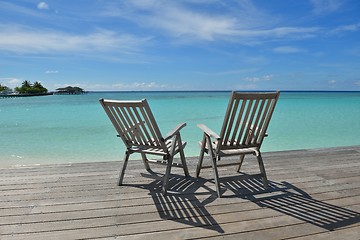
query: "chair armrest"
208, 131
174, 131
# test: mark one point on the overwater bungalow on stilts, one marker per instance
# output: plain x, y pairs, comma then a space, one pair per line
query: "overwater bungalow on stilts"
70, 90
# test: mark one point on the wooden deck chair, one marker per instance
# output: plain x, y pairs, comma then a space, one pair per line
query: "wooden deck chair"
136, 126
244, 128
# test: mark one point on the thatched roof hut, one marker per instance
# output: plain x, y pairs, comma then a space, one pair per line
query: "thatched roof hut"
70, 90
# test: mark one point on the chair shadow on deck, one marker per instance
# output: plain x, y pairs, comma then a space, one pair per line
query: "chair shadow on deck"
287, 199
180, 204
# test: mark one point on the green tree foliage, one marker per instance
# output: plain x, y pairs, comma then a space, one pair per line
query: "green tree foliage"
4, 89
26, 83
28, 88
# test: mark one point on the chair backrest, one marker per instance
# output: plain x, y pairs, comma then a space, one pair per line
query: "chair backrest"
134, 122
247, 118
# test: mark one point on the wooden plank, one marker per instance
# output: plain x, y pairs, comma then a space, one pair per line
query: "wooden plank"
312, 191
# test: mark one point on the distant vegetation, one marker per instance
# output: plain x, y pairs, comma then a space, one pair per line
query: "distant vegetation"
4, 89
35, 89
28, 88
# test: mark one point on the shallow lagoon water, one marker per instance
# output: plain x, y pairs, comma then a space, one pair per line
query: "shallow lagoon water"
74, 128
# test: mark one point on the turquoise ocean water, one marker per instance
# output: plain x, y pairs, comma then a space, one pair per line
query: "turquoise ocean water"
74, 128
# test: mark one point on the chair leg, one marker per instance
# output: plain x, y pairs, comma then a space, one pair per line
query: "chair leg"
241, 162
216, 175
201, 157
122, 172
170, 158
146, 164
214, 166
262, 170
182, 157
167, 175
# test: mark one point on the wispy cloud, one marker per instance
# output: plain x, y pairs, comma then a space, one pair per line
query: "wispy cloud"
10, 82
43, 6
229, 72
326, 6
139, 86
20, 39
346, 28
177, 20
288, 49
51, 71
12, 7
246, 24
260, 79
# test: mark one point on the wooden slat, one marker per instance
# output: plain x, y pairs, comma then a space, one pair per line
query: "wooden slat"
245, 124
238, 122
229, 123
250, 139
250, 121
122, 123
144, 129
152, 126
314, 196
265, 124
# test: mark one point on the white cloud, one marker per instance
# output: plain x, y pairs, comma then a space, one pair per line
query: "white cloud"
11, 82
14, 81
12, 7
24, 40
287, 49
51, 71
180, 22
346, 28
357, 83
280, 32
243, 23
43, 6
332, 82
229, 72
260, 79
139, 86
325, 6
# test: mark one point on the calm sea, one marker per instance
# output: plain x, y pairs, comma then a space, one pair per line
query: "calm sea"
74, 128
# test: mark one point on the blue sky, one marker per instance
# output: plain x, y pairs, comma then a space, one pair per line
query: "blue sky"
181, 45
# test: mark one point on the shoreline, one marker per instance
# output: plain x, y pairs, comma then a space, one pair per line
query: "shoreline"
191, 158
24, 95
220, 91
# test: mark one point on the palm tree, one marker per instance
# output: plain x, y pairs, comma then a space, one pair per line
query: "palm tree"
4, 89
37, 85
26, 84
38, 88
28, 88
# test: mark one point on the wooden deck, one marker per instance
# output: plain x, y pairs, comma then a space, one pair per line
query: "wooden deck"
314, 194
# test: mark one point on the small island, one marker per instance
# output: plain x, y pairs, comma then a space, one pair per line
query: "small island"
4, 90
25, 90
